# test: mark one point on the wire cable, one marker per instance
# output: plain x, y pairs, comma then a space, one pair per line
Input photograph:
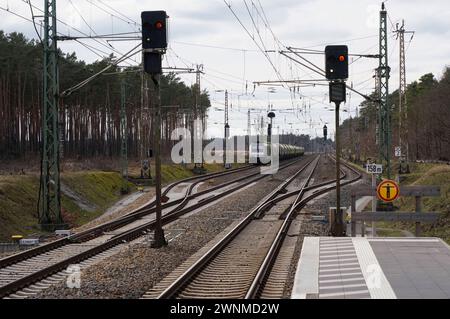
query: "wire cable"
34, 22
93, 77
109, 46
256, 43
82, 18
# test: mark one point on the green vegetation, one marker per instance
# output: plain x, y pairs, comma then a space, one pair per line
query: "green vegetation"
387, 232
95, 106
355, 166
92, 193
428, 122
99, 189
427, 174
19, 194
18, 214
171, 173
432, 174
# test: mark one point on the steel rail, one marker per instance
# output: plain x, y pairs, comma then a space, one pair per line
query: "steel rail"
122, 238
96, 231
266, 266
191, 272
294, 193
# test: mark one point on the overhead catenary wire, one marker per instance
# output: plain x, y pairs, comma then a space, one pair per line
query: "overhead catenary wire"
15, 13
34, 22
107, 45
322, 73
81, 16
347, 40
93, 77
214, 46
120, 13
111, 14
93, 50
262, 41
277, 41
254, 40
266, 22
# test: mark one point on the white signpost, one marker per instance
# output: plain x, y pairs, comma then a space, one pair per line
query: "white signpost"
398, 151
374, 170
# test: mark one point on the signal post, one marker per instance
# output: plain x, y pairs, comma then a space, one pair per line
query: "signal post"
336, 66
154, 45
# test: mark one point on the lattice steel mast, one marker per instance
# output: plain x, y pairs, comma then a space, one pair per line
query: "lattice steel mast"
384, 111
50, 201
402, 102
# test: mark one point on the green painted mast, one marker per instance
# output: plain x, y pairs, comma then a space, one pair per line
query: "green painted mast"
384, 112
50, 201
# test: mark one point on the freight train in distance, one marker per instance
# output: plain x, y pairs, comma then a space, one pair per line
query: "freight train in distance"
260, 152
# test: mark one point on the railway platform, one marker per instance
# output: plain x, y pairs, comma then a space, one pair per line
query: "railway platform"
373, 268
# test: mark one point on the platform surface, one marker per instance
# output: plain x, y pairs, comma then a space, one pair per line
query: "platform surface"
375, 268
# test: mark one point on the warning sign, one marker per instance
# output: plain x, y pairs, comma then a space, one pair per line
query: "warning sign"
388, 191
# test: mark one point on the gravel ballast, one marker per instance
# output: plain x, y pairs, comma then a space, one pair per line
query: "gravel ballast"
310, 228
135, 270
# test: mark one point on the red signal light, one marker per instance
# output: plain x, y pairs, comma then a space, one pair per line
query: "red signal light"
341, 58
159, 25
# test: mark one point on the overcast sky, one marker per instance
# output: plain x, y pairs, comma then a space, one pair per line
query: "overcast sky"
206, 32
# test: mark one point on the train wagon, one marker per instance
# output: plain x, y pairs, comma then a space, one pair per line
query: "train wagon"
259, 152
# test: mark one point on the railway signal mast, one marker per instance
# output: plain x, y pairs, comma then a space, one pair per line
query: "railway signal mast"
154, 45
336, 71
271, 116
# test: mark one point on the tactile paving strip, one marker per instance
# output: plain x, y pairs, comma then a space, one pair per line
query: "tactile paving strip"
340, 276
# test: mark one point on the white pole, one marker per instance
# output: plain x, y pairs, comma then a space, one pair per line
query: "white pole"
374, 204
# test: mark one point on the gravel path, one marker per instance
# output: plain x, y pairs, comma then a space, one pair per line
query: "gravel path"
134, 271
325, 170
121, 208
224, 179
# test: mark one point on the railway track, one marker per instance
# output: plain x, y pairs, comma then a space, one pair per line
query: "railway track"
119, 222
25, 274
240, 265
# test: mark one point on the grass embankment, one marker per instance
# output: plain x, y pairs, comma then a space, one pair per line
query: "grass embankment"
431, 174
428, 174
91, 193
19, 195
172, 173
99, 190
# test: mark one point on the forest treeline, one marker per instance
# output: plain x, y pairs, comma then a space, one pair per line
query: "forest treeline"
428, 120
91, 116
